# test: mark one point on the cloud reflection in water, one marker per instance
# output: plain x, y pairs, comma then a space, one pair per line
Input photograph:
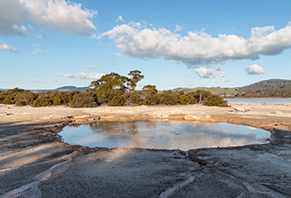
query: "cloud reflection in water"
162, 135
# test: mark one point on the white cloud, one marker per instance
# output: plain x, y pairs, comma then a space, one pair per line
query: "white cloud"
119, 18
254, 70
205, 73
12, 15
118, 54
90, 76
66, 75
221, 74
82, 76
178, 28
9, 48
208, 73
198, 48
56, 15
90, 66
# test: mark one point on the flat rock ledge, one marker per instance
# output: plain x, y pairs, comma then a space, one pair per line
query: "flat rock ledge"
34, 162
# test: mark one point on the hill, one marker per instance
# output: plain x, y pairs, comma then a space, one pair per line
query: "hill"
265, 88
266, 85
71, 88
64, 88
215, 90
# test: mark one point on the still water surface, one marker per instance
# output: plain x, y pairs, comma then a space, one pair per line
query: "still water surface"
162, 135
259, 100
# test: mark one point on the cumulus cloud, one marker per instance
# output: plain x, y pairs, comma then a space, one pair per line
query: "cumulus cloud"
208, 73
82, 76
254, 70
56, 15
9, 48
198, 48
90, 66
205, 73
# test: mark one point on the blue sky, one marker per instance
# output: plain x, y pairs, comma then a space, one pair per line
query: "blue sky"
46, 44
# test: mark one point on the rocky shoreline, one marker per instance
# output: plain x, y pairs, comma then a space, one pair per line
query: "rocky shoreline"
34, 162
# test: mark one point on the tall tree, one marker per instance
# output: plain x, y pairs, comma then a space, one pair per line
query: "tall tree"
135, 78
110, 81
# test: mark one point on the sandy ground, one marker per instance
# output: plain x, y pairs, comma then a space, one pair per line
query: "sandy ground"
35, 163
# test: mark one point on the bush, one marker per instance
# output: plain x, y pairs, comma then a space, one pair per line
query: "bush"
42, 102
64, 97
116, 101
168, 98
133, 98
85, 99
25, 98
216, 100
188, 98
9, 100
105, 96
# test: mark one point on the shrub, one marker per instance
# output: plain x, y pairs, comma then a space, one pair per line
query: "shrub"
188, 98
42, 101
25, 98
85, 99
216, 100
116, 101
133, 98
105, 96
64, 97
9, 99
168, 98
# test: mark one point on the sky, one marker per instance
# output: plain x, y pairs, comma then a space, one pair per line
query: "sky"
45, 44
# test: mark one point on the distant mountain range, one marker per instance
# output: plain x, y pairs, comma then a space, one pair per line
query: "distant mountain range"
265, 85
64, 88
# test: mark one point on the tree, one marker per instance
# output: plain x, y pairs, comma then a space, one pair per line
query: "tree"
150, 89
135, 78
110, 81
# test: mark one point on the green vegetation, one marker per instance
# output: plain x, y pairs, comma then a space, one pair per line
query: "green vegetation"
112, 90
215, 90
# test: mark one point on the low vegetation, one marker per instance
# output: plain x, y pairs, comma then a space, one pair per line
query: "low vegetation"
112, 90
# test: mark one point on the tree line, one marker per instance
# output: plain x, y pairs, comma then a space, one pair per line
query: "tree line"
112, 90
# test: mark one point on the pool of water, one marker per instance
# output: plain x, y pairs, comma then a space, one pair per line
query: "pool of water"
259, 100
162, 135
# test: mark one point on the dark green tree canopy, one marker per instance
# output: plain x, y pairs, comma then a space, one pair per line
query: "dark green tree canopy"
150, 88
110, 81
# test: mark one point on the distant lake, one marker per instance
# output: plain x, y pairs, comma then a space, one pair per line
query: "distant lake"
259, 100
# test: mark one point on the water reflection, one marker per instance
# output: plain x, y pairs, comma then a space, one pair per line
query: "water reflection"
162, 135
